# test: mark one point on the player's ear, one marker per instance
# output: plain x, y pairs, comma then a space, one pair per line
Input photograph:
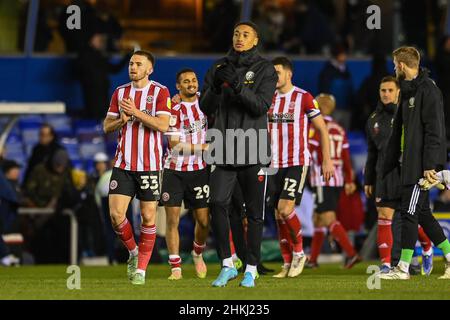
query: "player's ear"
177, 85
149, 71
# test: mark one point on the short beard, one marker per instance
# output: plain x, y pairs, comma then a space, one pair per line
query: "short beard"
190, 95
139, 78
401, 76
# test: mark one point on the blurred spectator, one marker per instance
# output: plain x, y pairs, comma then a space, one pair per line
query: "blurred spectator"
94, 68
87, 214
9, 202
307, 30
336, 79
48, 180
219, 24
270, 20
44, 150
368, 95
76, 40
110, 26
442, 204
101, 198
443, 78
101, 163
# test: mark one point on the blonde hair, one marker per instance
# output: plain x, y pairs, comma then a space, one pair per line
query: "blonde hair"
408, 55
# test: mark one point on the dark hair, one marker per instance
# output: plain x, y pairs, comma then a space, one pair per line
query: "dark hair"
248, 23
184, 70
390, 79
337, 49
284, 61
52, 130
147, 54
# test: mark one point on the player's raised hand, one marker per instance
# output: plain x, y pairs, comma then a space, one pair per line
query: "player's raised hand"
327, 170
128, 106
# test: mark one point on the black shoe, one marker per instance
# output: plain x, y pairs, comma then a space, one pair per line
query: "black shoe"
311, 265
414, 269
262, 270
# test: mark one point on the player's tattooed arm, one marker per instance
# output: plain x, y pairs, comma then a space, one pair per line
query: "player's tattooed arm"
112, 123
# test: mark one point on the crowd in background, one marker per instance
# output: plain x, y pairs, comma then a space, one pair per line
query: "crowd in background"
324, 27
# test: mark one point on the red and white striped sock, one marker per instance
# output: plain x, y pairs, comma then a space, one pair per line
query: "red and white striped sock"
295, 228
384, 240
340, 235
125, 233
317, 242
146, 244
175, 261
425, 241
198, 248
284, 241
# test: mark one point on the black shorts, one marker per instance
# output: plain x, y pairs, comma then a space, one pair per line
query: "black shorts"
287, 183
326, 198
387, 203
145, 185
190, 186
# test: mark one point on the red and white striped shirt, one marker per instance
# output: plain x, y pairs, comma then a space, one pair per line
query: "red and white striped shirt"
140, 148
191, 123
339, 153
288, 125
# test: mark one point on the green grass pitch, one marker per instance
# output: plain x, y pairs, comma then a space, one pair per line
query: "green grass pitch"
327, 282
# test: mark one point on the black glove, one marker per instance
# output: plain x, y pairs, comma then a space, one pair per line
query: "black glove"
218, 81
227, 74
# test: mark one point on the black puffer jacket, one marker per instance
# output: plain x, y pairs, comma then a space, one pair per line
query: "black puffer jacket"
379, 128
245, 109
421, 114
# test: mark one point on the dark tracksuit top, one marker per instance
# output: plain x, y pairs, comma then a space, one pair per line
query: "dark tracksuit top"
246, 109
378, 129
421, 117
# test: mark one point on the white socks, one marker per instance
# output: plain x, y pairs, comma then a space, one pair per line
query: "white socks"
252, 270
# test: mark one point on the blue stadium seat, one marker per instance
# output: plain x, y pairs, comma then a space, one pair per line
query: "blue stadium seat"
87, 126
89, 166
61, 123
30, 132
77, 164
71, 145
88, 150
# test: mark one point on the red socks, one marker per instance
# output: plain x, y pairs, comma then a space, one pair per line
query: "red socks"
384, 240
424, 240
198, 248
125, 232
175, 261
295, 228
284, 241
317, 242
340, 235
146, 243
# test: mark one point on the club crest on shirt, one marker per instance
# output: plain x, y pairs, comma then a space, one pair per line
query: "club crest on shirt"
173, 121
249, 75
411, 102
376, 128
149, 99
